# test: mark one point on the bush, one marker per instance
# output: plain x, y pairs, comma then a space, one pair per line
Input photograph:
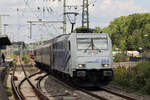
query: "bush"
146, 88
8, 91
14, 57
121, 58
137, 78
120, 76
26, 59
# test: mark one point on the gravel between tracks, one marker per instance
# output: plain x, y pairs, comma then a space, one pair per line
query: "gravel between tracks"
54, 88
128, 92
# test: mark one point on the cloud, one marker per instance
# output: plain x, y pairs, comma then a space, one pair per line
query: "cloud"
101, 14
114, 8
106, 10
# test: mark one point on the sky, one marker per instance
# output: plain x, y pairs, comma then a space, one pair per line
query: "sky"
101, 12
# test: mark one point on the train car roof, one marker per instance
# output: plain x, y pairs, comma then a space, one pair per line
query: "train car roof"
42, 46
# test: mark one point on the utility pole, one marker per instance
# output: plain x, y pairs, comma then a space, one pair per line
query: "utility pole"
5, 25
39, 22
85, 14
64, 25
0, 25
1, 22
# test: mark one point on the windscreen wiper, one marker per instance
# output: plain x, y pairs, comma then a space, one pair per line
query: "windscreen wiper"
91, 45
88, 48
98, 48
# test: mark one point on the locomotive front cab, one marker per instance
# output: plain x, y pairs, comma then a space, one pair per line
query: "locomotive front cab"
93, 58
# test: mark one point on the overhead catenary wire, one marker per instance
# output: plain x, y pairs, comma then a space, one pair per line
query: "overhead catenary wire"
47, 10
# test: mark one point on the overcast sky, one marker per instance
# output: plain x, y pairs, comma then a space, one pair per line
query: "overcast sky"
102, 12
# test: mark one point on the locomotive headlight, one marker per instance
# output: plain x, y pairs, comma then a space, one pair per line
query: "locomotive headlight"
92, 53
105, 62
81, 65
105, 65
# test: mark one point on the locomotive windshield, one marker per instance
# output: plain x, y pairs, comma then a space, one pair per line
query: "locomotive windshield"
92, 43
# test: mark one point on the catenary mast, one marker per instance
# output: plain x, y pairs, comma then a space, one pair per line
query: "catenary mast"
64, 24
85, 15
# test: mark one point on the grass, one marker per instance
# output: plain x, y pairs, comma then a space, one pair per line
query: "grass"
121, 58
26, 59
8, 91
14, 57
4, 78
136, 78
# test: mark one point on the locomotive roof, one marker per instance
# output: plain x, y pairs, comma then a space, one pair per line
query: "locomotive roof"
78, 35
93, 35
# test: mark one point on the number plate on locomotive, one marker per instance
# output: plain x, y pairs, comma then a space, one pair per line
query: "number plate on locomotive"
107, 73
81, 73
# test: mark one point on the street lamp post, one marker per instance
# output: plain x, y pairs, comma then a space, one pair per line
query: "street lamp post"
145, 40
140, 48
5, 25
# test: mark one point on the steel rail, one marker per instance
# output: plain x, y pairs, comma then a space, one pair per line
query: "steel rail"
40, 95
16, 93
73, 88
38, 83
92, 94
69, 85
117, 94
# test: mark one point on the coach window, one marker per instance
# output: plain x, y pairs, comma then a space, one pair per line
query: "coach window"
35, 53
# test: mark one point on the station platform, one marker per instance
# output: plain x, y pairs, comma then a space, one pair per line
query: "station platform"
3, 95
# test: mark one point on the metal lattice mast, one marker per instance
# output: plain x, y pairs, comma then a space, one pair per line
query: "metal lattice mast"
85, 14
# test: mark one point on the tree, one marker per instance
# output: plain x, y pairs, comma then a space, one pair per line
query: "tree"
97, 30
127, 32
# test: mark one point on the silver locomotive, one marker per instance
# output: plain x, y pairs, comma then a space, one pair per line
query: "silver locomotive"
84, 58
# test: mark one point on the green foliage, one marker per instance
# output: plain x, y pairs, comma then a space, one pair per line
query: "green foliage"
121, 58
14, 57
8, 91
146, 88
137, 78
26, 59
127, 32
97, 30
4, 74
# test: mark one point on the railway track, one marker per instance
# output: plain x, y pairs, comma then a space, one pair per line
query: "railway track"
99, 94
16, 92
38, 83
19, 95
108, 95
108, 89
79, 91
